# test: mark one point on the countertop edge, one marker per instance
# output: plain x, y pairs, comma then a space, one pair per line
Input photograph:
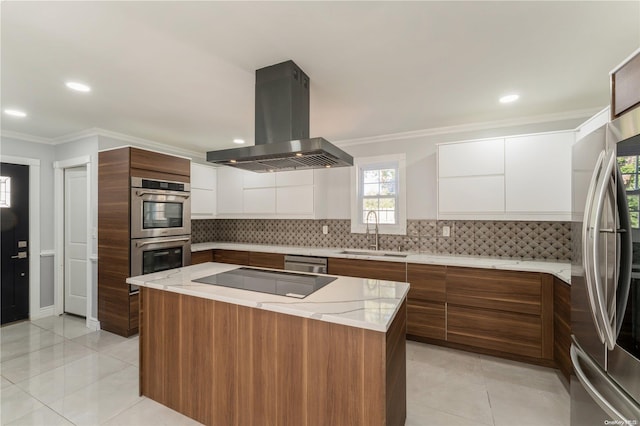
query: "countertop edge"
560, 270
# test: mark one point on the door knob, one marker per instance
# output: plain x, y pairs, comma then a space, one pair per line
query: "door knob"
20, 255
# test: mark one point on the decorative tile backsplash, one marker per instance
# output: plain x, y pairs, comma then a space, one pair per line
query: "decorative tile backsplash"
519, 240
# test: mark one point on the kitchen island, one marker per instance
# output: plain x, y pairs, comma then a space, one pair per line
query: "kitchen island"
228, 356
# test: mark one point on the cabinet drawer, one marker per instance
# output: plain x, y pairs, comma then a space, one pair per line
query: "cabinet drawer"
201, 256
231, 256
266, 260
428, 282
426, 320
503, 290
508, 332
374, 269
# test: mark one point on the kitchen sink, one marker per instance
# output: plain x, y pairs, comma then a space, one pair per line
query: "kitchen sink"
372, 253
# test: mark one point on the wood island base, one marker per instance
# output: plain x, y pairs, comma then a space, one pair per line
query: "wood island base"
225, 364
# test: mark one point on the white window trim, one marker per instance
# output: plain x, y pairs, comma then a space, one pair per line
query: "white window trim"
358, 163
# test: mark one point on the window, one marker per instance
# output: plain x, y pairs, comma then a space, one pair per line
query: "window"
378, 186
5, 192
629, 168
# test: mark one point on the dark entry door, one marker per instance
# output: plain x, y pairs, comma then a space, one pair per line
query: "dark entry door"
14, 224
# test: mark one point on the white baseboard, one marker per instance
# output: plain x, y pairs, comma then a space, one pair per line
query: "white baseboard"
47, 311
93, 324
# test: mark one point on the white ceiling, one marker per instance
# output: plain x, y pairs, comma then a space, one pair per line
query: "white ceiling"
182, 73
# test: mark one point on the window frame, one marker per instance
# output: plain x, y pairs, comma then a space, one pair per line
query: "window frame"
360, 164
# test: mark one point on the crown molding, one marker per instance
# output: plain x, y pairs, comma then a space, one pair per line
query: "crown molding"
25, 137
545, 118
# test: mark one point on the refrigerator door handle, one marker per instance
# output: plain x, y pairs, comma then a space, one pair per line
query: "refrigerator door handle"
625, 261
603, 189
577, 358
587, 252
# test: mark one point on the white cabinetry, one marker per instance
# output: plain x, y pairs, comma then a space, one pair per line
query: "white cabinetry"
514, 178
203, 191
538, 175
291, 195
230, 191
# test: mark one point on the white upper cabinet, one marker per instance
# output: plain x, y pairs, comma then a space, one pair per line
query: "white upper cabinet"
538, 174
203, 191
294, 178
259, 180
230, 191
514, 178
243, 194
474, 158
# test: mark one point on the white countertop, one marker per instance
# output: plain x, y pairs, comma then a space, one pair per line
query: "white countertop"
356, 302
561, 270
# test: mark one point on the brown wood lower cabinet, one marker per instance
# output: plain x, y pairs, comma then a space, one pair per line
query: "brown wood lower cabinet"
223, 364
203, 256
231, 256
266, 260
426, 319
374, 269
506, 332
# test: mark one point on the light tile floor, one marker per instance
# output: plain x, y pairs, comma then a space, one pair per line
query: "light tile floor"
55, 371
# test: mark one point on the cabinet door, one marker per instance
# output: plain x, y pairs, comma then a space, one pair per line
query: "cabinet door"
425, 319
259, 200
266, 260
230, 191
500, 290
292, 200
538, 173
473, 158
259, 180
231, 256
477, 194
428, 283
293, 178
203, 203
374, 269
508, 332
201, 256
203, 177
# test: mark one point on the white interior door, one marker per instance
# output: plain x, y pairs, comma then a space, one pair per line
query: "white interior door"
75, 241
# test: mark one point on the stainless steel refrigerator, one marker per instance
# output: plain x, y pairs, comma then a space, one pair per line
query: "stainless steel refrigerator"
605, 275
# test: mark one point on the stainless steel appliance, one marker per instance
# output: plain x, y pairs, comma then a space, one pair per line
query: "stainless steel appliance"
317, 265
272, 282
159, 208
282, 128
150, 255
605, 287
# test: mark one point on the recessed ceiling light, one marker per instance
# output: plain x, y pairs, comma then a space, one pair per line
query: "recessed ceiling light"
509, 98
15, 113
238, 141
78, 87
232, 161
298, 154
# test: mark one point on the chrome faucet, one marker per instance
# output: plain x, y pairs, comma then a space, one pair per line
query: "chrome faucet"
375, 241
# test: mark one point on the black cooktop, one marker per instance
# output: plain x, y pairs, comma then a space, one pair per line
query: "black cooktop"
289, 284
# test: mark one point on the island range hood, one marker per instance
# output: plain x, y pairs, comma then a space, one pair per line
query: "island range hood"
282, 140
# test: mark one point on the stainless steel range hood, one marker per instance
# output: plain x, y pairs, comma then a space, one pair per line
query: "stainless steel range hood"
282, 128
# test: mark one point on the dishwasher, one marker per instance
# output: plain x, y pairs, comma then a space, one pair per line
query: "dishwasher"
317, 265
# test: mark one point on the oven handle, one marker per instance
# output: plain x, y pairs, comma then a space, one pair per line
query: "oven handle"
174, 194
172, 240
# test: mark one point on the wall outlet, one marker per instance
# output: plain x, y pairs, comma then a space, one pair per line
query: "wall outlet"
325, 229
446, 231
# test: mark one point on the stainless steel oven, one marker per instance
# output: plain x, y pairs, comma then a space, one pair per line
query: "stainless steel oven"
150, 255
159, 208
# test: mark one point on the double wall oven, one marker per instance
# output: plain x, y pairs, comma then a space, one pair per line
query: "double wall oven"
160, 226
